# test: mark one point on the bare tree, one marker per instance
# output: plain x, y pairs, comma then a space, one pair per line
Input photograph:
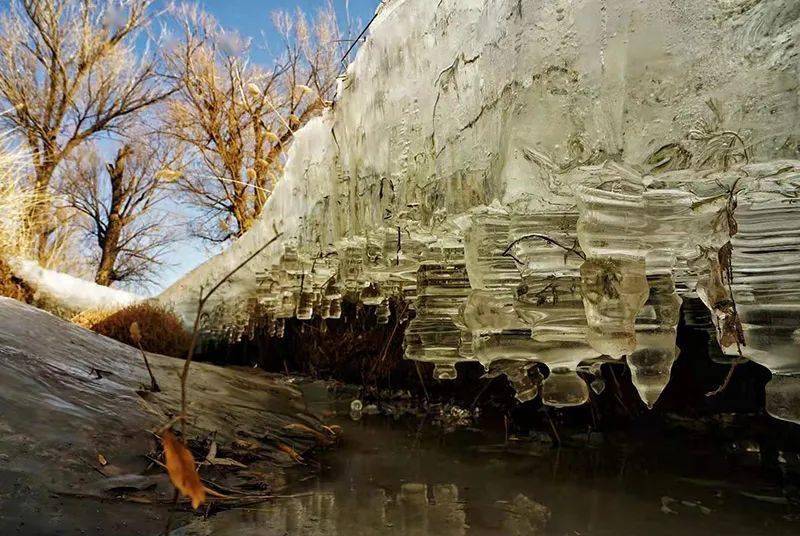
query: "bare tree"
69, 71
123, 205
238, 118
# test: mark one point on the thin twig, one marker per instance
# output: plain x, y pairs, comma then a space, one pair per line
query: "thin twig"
549, 241
618, 390
552, 426
357, 39
725, 383
196, 328
729, 210
422, 381
399, 246
480, 393
398, 320
154, 388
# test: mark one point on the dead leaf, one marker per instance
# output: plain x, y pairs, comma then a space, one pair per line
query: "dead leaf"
225, 461
181, 469
102, 459
212, 451
211, 458
334, 429
291, 452
307, 430
246, 444
136, 333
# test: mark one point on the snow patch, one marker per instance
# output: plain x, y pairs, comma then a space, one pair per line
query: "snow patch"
71, 292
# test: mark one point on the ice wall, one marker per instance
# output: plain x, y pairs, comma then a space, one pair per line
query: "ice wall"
547, 181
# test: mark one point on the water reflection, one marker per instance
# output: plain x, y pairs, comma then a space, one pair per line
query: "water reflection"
401, 478
395, 480
414, 510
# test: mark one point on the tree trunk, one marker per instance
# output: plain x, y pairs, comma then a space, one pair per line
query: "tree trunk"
241, 213
109, 240
110, 251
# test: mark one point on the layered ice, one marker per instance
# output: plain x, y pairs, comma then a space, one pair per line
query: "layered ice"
545, 183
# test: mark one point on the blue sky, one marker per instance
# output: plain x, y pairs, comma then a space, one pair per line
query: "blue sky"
252, 18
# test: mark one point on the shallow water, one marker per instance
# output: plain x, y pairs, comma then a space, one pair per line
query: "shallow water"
407, 478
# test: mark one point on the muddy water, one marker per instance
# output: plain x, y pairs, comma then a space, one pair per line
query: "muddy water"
407, 478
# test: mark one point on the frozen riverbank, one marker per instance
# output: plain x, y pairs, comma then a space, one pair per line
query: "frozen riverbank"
76, 440
543, 184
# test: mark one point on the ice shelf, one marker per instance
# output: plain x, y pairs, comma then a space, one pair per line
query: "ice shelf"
546, 182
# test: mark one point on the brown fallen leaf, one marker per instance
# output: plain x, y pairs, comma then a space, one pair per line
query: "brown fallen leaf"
246, 444
225, 461
181, 469
102, 459
296, 426
212, 451
291, 452
334, 429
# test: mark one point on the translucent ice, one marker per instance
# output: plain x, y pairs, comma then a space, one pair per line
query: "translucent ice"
543, 184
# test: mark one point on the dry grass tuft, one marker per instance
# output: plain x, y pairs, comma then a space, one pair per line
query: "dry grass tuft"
15, 201
160, 330
90, 317
17, 204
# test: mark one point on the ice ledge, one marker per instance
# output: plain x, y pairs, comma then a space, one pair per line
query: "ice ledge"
546, 182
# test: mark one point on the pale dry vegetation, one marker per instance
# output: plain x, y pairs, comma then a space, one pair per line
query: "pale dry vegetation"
90, 317
15, 201
111, 115
236, 118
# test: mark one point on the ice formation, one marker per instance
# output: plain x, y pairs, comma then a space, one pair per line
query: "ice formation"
547, 182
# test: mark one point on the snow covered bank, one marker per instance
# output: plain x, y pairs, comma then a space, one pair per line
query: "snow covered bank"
71, 293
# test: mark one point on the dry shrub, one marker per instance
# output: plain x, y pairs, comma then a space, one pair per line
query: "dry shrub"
88, 318
13, 287
161, 331
15, 201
